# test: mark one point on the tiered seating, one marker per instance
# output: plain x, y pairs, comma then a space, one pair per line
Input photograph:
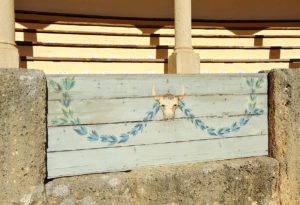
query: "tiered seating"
82, 44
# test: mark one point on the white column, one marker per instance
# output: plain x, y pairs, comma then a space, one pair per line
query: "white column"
9, 55
183, 24
184, 59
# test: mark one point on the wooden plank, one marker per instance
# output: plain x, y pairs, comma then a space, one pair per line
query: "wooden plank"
120, 86
65, 138
95, 111
126, 158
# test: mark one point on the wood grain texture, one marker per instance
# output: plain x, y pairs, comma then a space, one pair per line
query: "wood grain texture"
96, 111
111, 105
120, 159
137, 86
157, 132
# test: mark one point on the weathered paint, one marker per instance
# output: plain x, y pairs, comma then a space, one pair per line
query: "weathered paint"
70, 163
102, 123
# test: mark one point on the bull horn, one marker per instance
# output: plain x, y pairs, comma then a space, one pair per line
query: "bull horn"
154, 93
180, 97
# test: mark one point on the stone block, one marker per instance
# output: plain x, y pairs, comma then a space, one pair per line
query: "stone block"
284, 130
22, 136
240, 181
184, 62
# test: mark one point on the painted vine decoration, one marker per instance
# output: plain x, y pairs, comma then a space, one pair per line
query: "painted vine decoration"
122, 138
69, 118
250, 111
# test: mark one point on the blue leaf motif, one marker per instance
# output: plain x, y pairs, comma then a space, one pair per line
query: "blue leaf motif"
112, 140
66, 103
93, 136
55, 121
200, 124
181, 103
220, 133
68, 83
244, 121
235, 127
81, 131
66, 95
251, 107
137, 128
65, 112
258, 111
187, 112
149, 116
252, 97
124, 138
104, 138
76, 121
56, 87
223, 131
192, 116
259, 82
156, 107
227, 130
94, 132
247, 112
250, 82
212, 131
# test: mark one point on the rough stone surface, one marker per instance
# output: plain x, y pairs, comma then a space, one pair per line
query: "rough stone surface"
240, 181
22, 136
284, 130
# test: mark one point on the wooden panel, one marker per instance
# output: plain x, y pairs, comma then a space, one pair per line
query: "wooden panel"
120, 159
101, 123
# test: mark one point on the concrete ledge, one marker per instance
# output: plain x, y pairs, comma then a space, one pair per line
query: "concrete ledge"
22, 136
284, 130
240, 181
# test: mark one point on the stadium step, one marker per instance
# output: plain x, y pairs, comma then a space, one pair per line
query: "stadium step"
84, 37
67, 43
39, 49
148, 66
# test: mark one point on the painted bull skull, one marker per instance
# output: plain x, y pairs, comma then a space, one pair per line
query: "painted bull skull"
168, 103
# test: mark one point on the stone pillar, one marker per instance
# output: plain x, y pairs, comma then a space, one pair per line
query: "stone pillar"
9, 55
22, 136
284, 131
184, 59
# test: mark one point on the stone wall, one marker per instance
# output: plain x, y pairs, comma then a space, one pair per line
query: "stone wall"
256, 180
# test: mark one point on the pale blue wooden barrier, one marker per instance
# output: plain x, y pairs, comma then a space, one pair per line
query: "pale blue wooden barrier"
105, 123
